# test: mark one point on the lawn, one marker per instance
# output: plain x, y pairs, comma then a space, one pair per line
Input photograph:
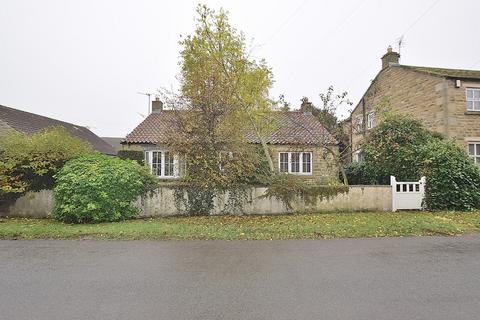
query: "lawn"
305, 226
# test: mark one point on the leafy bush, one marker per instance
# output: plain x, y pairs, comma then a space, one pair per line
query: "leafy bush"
287, 187
453, 179
403, 147
358, 173
96, 188
136, 155
28, 162
391, 148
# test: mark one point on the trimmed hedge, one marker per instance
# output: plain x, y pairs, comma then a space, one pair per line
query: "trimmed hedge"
97, 188
136, 155
358, 174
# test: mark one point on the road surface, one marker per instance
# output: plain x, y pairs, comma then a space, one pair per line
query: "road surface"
387, 278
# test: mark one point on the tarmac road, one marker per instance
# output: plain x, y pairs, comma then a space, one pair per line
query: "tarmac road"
385, 278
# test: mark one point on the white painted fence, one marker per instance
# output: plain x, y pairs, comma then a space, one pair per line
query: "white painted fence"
407, 194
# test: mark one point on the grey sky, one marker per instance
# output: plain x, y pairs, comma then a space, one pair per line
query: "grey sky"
83, 61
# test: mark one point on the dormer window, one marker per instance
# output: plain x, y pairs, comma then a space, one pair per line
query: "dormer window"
473, 99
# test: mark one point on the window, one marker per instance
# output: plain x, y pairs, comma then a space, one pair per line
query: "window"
284, 162
370, 120
169, 164
306, 162
474, 151
360, 123
358, 156
162, 163
295, 162
473, 99
156, 163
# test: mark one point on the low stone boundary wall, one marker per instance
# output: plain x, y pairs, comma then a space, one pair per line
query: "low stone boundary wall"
162, 203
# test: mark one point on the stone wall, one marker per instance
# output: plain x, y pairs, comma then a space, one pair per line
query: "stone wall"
162, 203
32, 204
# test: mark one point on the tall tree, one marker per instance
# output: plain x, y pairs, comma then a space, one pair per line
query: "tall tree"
224, 93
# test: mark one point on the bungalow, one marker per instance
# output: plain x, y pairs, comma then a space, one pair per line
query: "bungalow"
297, 144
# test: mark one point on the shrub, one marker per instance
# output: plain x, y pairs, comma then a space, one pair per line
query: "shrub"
453, 179
391, 148
28, 162
96, 188
403, 147
358, 173
136, 155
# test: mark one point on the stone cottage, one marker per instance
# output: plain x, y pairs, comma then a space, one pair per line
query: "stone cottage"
297, 144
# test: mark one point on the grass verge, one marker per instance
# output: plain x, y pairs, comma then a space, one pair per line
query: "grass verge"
305, 226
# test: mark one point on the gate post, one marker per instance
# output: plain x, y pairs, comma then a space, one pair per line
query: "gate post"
393, 184
421, 188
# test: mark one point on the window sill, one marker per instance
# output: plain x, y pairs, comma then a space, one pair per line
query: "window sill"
477, 113
299, 174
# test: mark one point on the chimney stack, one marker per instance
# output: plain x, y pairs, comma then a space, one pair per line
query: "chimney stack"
157, 105
390, 57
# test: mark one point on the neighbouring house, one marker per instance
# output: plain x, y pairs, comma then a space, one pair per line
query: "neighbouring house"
29, 123
445, 100
115, 142
297, 144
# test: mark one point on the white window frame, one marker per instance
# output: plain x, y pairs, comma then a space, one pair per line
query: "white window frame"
148, 155
475, 156
300, 172
473, 100
371, 120
358, 156
360, 124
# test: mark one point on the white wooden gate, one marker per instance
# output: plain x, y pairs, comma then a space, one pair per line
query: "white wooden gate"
407, 195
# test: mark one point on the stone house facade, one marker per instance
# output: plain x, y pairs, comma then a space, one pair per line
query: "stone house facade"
298, 144
445, 100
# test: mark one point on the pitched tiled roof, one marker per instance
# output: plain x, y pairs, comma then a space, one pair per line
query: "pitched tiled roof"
443, 72
113, 141
29, 123
290, 127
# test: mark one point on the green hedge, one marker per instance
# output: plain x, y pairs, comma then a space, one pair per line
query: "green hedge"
453, 179
136, 155
29, 162
403, 147
358, 174
97, 188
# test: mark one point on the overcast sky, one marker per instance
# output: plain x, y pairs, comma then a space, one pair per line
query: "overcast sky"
84, 61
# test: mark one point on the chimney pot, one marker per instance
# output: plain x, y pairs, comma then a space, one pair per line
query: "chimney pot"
157, 105
391, 57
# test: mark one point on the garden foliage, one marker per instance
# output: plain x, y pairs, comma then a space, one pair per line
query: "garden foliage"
137, 155
96, 188
28, 162
453, 179
403, 147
